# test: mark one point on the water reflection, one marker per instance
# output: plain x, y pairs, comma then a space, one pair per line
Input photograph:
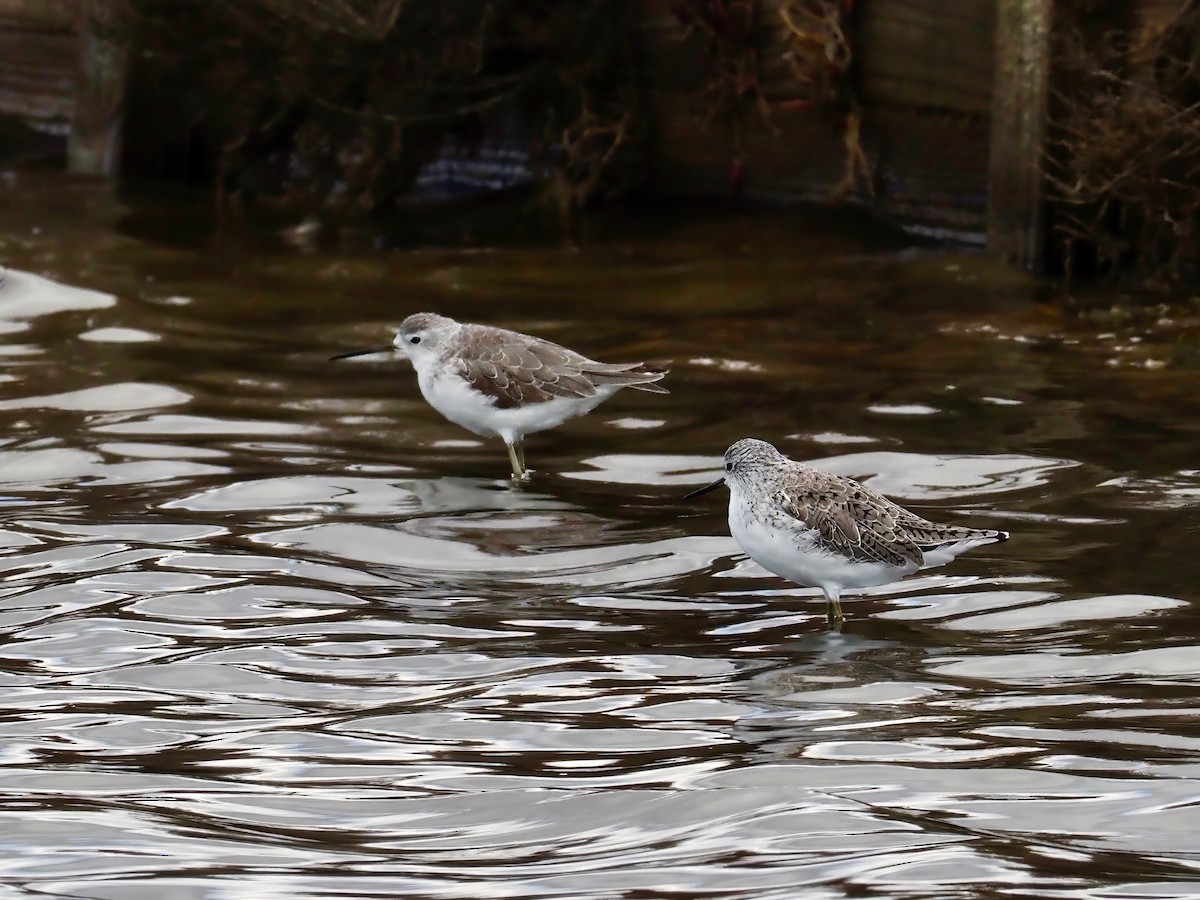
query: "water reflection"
270, 630
24, 295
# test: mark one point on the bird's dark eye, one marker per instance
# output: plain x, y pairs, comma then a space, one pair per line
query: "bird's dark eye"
415, 339
728, 467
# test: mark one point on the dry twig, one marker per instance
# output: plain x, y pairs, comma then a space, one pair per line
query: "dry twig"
1124, 154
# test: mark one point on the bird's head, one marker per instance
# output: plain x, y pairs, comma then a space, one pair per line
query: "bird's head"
744, 460
422, 338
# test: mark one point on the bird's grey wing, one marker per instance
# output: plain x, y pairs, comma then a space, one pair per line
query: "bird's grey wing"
516, 369
852, 520
554, 369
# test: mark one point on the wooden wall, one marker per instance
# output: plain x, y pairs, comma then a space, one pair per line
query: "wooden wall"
39, 54
38, 58
925, 78
924, 72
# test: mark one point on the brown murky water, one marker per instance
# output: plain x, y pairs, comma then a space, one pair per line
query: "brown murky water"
270, 627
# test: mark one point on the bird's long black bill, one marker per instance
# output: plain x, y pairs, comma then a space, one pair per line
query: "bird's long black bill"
388, 349
704, 490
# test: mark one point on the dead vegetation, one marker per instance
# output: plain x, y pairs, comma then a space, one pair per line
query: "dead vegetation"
820, 56
1124, 151
815, 53
729, 33
337, 103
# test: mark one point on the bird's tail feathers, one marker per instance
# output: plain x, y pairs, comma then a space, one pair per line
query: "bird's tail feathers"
630, 375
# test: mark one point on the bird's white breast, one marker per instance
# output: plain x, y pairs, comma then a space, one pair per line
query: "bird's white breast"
454, 397
788, 548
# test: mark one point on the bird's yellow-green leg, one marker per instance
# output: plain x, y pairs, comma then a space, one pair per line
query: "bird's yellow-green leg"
833, 609
518, 467
521, 458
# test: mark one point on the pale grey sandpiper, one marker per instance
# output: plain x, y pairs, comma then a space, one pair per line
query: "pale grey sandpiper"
500, 383
827, 531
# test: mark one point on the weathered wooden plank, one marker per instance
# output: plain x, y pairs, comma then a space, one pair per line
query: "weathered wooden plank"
37, 69
927, 54
42, 13
931, 170
925, 76
920, 53
803, 158
1016, 227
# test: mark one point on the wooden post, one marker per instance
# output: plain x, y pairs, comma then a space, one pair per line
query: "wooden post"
94, 147
59, 13
1020, 99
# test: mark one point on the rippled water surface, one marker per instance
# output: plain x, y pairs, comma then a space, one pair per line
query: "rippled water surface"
270, 627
